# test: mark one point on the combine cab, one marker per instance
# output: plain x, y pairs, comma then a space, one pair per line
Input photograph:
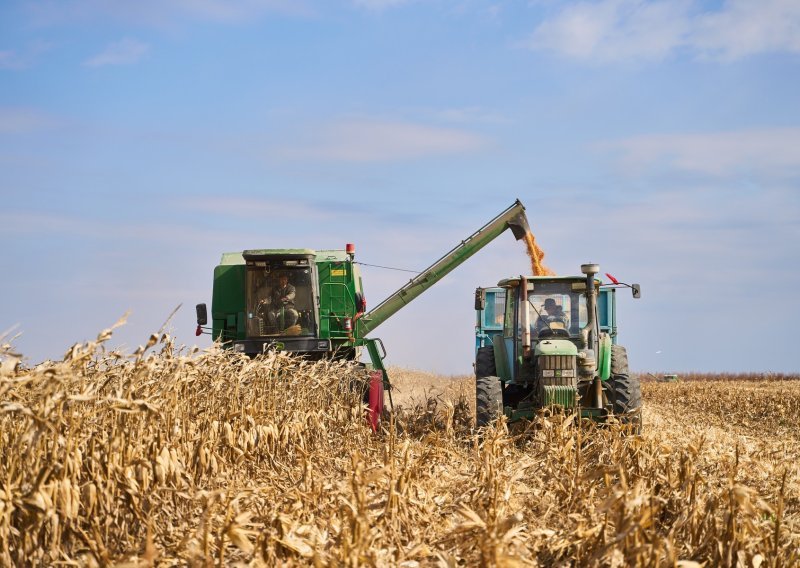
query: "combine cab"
314, 317
555, 347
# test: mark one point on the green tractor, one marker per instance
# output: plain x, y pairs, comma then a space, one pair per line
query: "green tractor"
556, 348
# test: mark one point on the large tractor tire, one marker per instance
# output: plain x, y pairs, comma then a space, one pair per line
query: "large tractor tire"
625, 390
488, 400
484, 362
488, 390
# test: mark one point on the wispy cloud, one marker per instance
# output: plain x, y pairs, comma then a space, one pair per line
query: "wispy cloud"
466, 115
379, 4
259, 207
364, 140
23, 120
159, 13
614, 30
16, 59
10, 59
124, 52
766, 152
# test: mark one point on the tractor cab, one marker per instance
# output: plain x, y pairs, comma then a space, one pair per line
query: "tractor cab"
556, 308
545, 316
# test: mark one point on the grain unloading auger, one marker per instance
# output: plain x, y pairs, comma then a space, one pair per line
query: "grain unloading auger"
311, 302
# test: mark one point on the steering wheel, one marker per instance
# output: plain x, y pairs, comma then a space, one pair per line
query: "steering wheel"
557, 332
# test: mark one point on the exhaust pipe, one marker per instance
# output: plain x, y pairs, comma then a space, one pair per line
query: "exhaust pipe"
525, 318
591, 304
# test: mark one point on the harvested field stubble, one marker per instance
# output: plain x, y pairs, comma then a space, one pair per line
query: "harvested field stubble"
169, 458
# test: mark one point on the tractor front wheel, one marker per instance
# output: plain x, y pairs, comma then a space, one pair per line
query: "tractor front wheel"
488, 400
488, 390
625, 390
484, 362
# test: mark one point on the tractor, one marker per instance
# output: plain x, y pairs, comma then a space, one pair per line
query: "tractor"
550, 342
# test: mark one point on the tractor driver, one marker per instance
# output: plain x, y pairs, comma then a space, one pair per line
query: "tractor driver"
553, 314
281, 313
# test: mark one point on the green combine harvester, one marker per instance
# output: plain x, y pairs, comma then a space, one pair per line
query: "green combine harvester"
311, 302
550, 341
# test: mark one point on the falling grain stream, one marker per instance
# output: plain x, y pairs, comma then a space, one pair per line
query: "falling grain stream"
536, 255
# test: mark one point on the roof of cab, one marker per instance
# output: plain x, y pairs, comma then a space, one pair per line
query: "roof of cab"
229, 258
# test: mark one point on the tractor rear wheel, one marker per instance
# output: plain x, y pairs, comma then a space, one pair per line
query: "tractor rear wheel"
488, 400
625, 390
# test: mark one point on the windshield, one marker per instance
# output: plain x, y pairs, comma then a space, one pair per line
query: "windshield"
280, 298
554, 305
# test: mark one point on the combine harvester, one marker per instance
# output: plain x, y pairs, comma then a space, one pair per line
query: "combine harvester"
323, 311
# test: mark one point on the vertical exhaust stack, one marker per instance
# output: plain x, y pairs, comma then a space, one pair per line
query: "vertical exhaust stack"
590, 270
525, 318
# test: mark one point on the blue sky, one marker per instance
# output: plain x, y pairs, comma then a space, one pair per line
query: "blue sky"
661, 139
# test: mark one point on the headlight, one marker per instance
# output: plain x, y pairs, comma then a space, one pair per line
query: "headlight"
238, 347
548, 373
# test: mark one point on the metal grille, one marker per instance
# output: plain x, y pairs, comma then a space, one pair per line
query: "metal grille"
558, 364
559, 394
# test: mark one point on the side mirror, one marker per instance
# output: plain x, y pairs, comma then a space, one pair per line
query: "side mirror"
480, 299
637, 291
202, 314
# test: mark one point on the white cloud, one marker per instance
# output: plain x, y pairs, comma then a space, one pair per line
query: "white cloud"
612, 30
382, 141
745, 27
765, 152
124, 52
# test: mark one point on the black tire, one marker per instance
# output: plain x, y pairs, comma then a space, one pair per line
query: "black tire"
488, 400
488, 389
625, 390
484, 362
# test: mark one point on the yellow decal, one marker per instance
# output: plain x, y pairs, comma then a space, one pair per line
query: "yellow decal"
337, 272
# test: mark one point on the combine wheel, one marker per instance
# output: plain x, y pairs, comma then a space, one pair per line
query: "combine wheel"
625, 390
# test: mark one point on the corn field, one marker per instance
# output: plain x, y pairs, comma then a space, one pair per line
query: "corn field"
170, 456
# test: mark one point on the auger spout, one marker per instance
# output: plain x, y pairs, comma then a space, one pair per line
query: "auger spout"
513, 218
